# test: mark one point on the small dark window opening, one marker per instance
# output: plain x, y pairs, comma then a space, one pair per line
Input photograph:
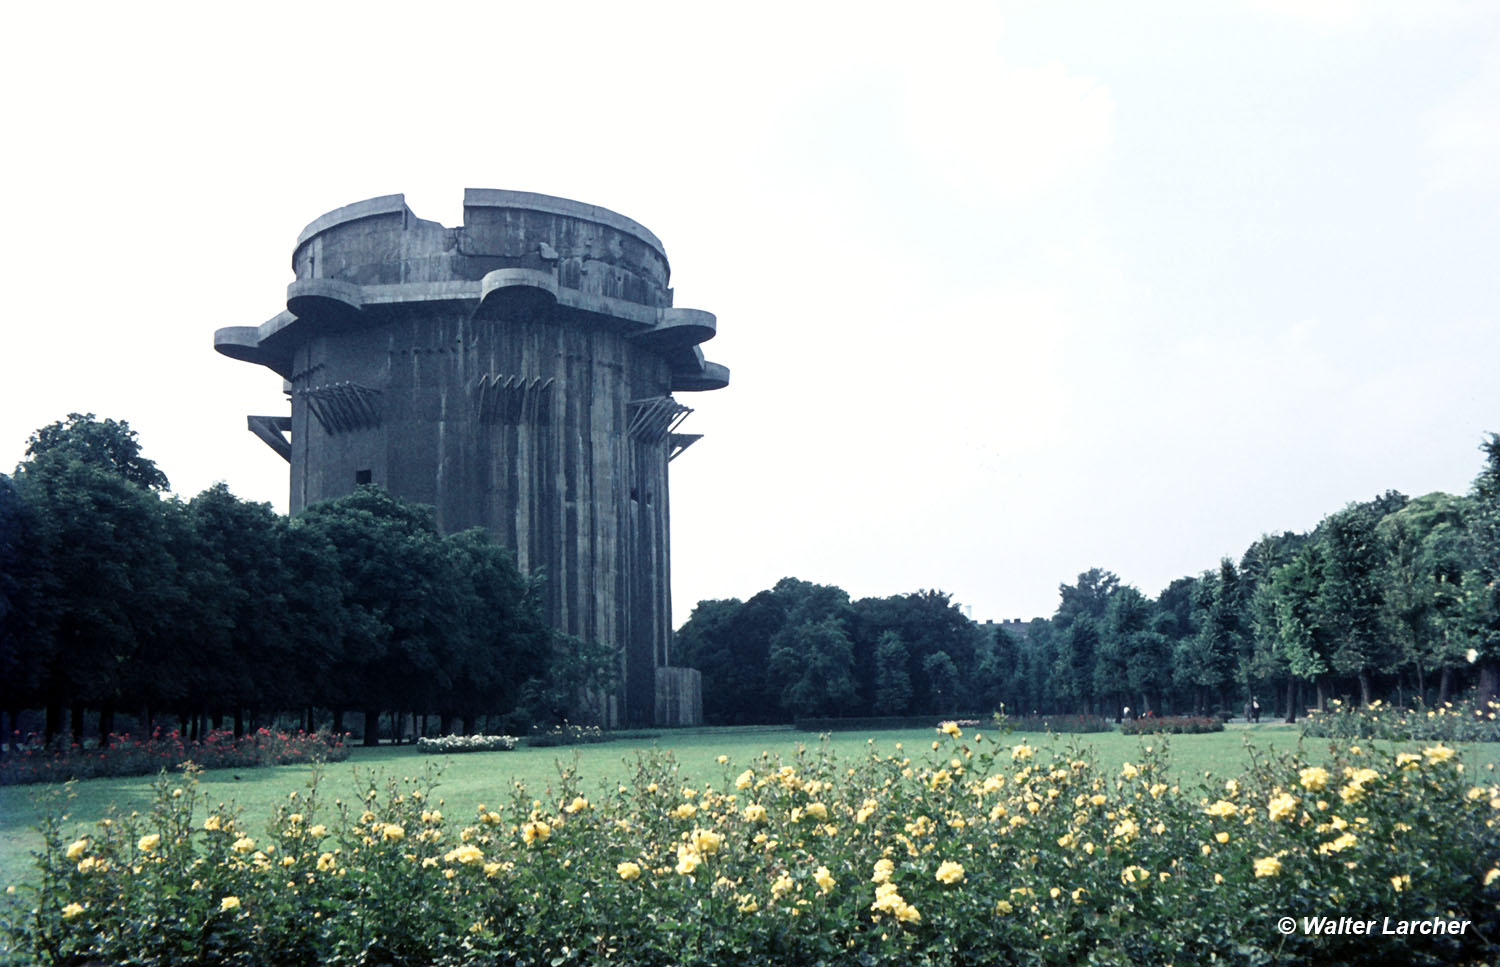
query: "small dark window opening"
361, 477
312, 266
648, 498
634, 494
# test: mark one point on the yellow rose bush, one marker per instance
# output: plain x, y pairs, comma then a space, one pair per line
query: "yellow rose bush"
1465, 721
1018, 853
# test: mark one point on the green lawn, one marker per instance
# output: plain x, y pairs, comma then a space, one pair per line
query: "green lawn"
472, 778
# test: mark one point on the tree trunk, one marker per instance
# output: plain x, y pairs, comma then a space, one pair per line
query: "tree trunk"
106, 723
76, 723
1322, 695
1489, 683
372, 727
1445, 685
239, 722
1364, 687
338, 721
54, 722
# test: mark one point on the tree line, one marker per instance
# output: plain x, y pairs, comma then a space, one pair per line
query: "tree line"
118, 598
1391, 598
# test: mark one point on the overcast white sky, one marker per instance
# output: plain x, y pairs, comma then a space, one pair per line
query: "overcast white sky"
1007, 290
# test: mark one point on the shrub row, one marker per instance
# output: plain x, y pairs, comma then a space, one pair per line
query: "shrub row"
871, 723
450, 744
1057, 723
567, 734
1172, 725
977, 853
1465, 721
31, 760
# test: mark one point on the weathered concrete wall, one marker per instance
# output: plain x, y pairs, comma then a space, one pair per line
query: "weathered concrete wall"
679, 696
515, 373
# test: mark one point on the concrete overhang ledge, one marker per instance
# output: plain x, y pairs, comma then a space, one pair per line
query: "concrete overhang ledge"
370, 207
532, 201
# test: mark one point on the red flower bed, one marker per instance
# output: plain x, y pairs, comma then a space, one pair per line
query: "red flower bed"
29, 760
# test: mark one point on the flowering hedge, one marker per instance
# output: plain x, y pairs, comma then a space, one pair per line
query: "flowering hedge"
466, 743
975, 853
1450, 722
1172, 725
567, 734
126, 755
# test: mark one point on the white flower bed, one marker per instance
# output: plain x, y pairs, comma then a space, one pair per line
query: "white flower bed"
466, 743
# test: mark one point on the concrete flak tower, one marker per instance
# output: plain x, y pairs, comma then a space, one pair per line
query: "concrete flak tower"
516, 373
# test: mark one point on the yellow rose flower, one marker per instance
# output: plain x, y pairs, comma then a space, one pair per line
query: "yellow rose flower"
1134, 876
1267, 866
745, 780
1313, 778
628, 870
1439, 753
755, 813
1129, 771
393, 833
951, 728
883, 870
76, 848
1222, 809
535, 832
466, 854
229, 903
688, 859
824, 879
706, 841
1282, 806
72, 910
949, 872
148, 843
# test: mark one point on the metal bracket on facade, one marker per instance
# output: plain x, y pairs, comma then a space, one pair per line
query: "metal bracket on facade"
343, 407
651, 420
272, 430
511, 400
678, 442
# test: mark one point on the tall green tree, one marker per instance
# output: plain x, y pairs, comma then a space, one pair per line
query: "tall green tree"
892, 679
108, 444
1351, 599
814, 659
399, 590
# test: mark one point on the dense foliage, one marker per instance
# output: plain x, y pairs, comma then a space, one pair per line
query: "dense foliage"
116, 598
976, 852
1393, 598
